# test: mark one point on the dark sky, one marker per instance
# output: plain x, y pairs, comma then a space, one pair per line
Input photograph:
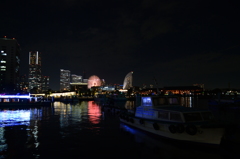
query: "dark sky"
178, 42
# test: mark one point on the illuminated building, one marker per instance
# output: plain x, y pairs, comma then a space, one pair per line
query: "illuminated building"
77, 83
94, 81
45, 83
76, 79
9, 65
127, 83
183, 90
35, 71
23, 83
64, 80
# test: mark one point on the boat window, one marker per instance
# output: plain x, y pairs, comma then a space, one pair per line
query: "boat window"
159, 101
192, 117
6, 100
173, 101
207, 116
146, 101
175, 116
163, 115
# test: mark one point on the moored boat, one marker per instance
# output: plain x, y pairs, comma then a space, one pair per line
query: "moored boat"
22, 101
165, 117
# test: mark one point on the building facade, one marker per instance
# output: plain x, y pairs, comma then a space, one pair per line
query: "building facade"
127, 83
35, 71
76, 79
45, 83
65, 80
9, 65
23, 83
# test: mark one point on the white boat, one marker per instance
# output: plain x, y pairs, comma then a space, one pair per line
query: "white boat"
163, 116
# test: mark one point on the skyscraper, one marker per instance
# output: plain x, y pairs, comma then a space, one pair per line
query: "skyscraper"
9, 65
45, 83
35, 72
64, 80
23, 83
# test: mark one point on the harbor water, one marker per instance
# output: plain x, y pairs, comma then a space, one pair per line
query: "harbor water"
85, 130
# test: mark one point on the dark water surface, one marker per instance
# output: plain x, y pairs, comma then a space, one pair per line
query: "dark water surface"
83, 130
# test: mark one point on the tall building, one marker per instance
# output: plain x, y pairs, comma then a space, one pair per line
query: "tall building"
64, 80
45, 83
23, 83
9, 65
35, 71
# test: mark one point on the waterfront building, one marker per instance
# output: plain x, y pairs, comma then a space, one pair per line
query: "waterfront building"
108, 88
183, 90
76, 79
79, 87
77, 83
35, 71
9, 65
64, 80
45, 83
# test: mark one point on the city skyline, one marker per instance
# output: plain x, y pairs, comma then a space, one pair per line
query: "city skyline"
178, 43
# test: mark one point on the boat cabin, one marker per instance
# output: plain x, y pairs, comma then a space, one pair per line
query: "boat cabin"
17, 98
159, 101
168, 109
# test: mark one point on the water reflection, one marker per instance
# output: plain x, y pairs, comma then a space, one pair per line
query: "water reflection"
14, 117
94, 112
187, 101
64, 126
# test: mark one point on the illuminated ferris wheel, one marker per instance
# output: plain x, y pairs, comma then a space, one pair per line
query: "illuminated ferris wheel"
127, 83
94, 81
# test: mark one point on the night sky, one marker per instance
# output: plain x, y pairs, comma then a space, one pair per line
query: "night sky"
178, 42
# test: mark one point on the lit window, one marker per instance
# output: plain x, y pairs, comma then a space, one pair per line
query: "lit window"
3, 66
3, 69
3, 61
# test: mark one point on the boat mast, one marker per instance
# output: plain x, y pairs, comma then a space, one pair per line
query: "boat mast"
156, 85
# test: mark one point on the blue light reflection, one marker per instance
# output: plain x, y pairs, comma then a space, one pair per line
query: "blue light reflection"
14, 117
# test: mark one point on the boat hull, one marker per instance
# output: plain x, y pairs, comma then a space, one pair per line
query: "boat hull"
200, 135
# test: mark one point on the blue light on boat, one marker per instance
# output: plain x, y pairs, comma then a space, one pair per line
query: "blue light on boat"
15, 96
